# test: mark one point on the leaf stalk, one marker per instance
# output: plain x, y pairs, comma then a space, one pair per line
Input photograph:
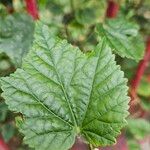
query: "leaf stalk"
112, 9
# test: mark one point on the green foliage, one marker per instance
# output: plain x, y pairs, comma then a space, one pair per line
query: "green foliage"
6, 66
16, 35
75, 21
144, 88
89, 11
3, 111
128, 66
63, 93
139, 128
133, 145
145, 103
123, 37
8, 131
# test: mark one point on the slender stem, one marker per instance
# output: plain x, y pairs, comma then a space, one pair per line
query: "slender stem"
112, 9
31, 6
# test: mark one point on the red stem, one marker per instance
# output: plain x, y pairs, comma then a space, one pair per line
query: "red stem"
31, 6
3, 145
141, 69
80, 145
112, 9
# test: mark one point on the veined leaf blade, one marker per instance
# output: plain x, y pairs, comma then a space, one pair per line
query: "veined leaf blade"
64, 93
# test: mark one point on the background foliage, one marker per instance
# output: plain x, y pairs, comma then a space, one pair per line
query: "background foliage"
82, 23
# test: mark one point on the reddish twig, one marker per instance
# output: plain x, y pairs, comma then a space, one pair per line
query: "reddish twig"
135, 107
3, 145
31, 6
112, 9
80, 145
140, 70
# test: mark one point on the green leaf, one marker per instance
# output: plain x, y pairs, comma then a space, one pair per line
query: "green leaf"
16, 35
144, 87
139, 128
90, 12
64, 94
133, 144
145, 103
3, 111
127, 66
123, 37
8, 131
77, 31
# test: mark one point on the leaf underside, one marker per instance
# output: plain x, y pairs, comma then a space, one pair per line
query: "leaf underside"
63, 93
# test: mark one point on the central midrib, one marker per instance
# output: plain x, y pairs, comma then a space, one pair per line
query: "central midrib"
62, 87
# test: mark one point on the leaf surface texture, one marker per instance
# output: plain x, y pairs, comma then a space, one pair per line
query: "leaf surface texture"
63, 93
123, 37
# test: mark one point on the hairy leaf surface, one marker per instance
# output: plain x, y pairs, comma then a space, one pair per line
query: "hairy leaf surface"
63, 93
123, 37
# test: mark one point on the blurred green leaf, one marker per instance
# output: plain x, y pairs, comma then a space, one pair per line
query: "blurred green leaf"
133, 144
3, 111
139, 128
123, 37
77, 31
55, 7
145, 103
8, 131
6, 65
90, 12
16, 35
144, 87
128, 66
86, 16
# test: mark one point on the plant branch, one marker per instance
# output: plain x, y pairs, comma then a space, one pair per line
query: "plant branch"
112, 9
3, 145
80, 145
31, 6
